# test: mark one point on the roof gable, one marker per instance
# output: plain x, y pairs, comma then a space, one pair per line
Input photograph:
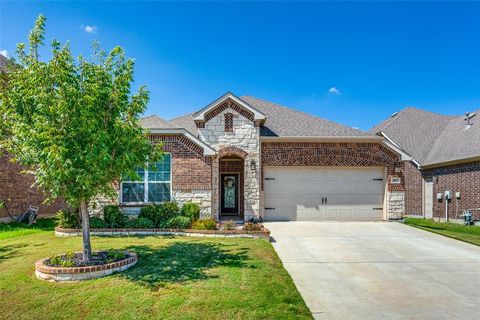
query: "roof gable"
228, 100
432, 138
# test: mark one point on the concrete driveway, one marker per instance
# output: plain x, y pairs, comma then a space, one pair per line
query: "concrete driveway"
379, 270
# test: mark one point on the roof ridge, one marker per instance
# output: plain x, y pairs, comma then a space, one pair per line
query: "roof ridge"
304, 113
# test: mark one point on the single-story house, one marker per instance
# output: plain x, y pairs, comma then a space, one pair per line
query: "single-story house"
247, 158
442, 177
244, 158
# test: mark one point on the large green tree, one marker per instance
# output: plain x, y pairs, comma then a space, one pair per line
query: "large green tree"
73, 122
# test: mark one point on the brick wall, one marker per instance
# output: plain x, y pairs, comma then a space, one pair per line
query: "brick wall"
191, 170
334, 154
463, 178
16, 190
413, 189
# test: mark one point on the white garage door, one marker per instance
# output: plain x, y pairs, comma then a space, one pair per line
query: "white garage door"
324, 193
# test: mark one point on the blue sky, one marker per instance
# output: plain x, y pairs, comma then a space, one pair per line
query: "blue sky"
379, 56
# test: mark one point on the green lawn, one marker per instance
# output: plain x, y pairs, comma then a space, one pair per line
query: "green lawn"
175, 278
470, 234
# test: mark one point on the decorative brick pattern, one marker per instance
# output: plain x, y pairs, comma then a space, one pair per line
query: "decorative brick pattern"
17, 191
232, 151
229, 122
228, 104
190, 169
463, 178
413, 189
334, 154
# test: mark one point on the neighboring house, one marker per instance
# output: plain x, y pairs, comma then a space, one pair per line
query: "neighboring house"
445, 159
244, 158
15, 186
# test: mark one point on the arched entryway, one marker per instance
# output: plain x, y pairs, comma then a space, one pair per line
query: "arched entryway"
231, 186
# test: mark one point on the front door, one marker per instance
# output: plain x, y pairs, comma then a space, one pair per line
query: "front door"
229, 194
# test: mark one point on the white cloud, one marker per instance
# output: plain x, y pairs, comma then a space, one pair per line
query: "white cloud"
89, 29
4, 53
334, 91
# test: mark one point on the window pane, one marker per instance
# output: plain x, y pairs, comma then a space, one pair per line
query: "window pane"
160, 171
140, 172
133, 192
158, 192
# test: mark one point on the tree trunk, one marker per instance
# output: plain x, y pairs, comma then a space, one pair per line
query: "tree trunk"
87, 248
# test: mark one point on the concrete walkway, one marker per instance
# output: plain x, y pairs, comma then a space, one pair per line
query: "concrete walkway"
379, 270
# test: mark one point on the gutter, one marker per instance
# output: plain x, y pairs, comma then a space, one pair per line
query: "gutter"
323, 138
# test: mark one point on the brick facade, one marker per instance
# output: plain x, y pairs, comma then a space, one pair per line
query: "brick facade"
345, 155
16, 190
334, 154
413, 189
190, 169
463, 178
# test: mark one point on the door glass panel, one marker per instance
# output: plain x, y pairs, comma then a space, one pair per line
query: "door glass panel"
229, 192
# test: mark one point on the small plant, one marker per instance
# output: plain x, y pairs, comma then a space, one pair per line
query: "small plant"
65, 261
115, 255
140, 223
249, 226
191, 210
168, 210
55, 260
204, 224
97, 223
68, 219
114, 217
178, 222
229, 225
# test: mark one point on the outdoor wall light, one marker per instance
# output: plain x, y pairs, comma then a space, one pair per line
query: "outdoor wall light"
253, 165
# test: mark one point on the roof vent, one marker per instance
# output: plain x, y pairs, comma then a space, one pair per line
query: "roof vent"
468, 116
393, 114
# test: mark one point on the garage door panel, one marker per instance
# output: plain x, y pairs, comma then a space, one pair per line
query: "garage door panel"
295, 193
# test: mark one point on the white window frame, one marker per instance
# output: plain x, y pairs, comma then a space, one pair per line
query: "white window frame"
145, 185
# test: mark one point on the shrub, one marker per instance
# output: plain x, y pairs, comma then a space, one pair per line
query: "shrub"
178, 222
229, 225
140, 223
62, 261
191, 210
97, 223
68, 219
160, 213
115, 255
150, 212
114, 217
249, 226
204, 224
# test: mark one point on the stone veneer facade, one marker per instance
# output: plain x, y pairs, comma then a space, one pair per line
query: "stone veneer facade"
242, 141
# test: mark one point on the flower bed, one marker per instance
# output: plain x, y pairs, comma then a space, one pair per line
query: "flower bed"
44, 269
263, 233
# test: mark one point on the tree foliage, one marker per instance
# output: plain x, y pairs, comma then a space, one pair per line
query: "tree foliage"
74, 122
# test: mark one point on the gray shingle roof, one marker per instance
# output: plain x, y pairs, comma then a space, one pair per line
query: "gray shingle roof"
155, 122
284, 122
431, 137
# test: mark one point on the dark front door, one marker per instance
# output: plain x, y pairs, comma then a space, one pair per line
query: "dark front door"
229, 194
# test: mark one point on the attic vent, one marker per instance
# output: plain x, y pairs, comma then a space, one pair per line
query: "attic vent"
468, 116
393, 114
228, 122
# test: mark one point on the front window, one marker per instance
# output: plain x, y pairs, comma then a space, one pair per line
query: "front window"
153, 183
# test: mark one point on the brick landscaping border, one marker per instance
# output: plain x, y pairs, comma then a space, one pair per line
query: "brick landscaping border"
59, 274
264, 234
